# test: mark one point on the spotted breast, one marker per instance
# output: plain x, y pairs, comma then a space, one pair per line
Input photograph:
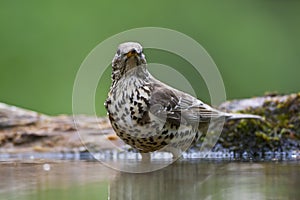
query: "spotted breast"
132, 115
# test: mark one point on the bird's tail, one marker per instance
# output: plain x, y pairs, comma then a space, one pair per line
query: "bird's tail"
234, 116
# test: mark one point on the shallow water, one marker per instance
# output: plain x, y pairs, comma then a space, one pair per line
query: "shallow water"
184, 179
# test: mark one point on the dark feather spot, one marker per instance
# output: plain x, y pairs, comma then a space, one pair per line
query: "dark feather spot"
151, 139
171, 136
116, 107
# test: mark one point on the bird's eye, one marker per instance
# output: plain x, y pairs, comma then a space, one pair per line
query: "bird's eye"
118, 52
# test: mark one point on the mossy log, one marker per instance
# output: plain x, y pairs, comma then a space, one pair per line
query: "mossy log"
279, 131
27, 131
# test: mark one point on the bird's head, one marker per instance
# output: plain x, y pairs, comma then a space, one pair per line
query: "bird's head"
129, 55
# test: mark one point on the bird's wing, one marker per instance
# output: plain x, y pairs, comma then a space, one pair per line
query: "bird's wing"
177, 107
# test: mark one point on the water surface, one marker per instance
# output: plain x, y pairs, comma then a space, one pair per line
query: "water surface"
185, 179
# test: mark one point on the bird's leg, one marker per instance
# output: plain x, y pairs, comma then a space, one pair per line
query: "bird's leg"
176, 152
146, 157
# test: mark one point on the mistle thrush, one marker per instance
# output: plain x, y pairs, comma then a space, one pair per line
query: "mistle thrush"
149, 115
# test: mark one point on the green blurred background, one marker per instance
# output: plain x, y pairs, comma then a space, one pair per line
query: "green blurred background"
255, 44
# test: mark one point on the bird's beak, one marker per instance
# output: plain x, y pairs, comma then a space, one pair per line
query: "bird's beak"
131, 53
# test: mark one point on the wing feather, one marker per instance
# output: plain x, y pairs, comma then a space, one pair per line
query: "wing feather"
178, 107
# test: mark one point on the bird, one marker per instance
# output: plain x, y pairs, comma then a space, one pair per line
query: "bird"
150, 115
